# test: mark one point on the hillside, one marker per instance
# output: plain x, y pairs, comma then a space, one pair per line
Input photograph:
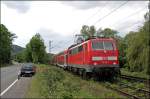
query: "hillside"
16, 49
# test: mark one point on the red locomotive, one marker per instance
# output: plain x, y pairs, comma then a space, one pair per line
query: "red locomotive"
91, 57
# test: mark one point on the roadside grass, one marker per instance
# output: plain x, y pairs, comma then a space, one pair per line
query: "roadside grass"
53, 82
136, 74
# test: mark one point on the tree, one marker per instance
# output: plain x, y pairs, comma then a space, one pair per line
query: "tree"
20, 57
87, 31
35, 50
28, 53
6, 39
137, 52
107, 32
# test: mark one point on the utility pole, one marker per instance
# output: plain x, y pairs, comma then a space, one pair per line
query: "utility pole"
50, 44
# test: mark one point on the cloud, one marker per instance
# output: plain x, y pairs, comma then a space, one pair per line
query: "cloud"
84, 5
20, 6
59, 42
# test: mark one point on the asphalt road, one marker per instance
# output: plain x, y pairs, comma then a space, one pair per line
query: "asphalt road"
10, 86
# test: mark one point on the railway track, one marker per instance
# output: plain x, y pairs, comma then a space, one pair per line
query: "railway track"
128, 89
122, 92
138, 79
137, 93
136, 89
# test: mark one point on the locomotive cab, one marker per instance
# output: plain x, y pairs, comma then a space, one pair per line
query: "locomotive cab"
104, 52
104, 56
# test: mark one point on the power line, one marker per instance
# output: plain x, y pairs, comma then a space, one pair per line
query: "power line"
122, 28
99, 10
130, 16
110, 12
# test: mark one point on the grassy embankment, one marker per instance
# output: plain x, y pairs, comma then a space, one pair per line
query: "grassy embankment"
53, 82
136, 74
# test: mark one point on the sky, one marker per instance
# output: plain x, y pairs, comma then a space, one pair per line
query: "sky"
59, 21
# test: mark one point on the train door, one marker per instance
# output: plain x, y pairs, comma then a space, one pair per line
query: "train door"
80, 55
85, 52
65, 60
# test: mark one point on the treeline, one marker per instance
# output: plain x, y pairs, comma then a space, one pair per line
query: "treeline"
6, 38
34, 52
133, 48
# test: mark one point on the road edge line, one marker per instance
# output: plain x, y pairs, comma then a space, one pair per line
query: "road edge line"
2, 93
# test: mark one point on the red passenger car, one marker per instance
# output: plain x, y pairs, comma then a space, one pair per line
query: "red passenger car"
94, 56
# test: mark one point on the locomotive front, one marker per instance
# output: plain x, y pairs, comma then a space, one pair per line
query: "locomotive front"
104, 56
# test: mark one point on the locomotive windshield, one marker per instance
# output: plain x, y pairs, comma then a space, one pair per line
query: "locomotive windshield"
101, 45
97, 45
108, 45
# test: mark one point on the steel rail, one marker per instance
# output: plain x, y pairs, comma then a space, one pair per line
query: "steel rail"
122, 92
139, 79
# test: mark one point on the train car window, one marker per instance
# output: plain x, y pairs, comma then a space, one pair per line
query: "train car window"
80, 48
76, 50
96, 45
108, 45
73, 51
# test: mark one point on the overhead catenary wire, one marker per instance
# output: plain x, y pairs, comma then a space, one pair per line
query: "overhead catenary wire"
137, 12
122, 28
99, 10
110, 13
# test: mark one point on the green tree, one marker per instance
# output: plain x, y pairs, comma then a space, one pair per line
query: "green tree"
6, 39
28, 53
35, 50
20, 57
137, 52
107, 32
87, 31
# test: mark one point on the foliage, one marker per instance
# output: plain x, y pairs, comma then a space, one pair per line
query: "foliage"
107, 32
6, 38
35, 50
88, 31
53, 82
137, 51
20, 57
125, 71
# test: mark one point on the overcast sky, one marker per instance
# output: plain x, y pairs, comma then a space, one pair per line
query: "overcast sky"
59, 21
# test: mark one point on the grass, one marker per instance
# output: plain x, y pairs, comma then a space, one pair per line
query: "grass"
136, 74
53, 82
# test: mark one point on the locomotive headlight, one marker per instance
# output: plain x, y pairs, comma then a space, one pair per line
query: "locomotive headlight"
95, 63
114, 63
112, 58
96, 58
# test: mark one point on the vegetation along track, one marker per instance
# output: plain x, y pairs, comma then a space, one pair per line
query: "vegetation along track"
129, 90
